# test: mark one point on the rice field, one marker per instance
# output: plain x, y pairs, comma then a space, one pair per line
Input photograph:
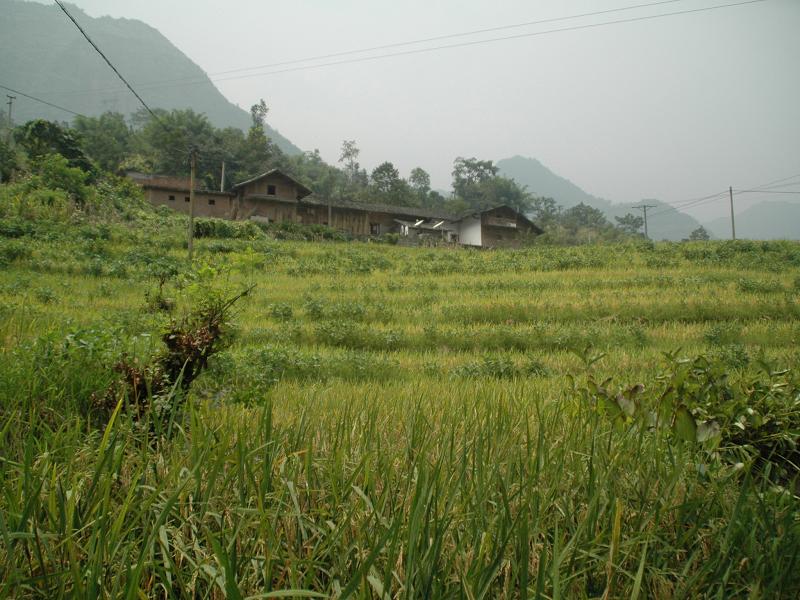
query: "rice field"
389, 422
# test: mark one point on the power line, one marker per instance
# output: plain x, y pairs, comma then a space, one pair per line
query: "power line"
445, 37
689, 204
72, 112
186, 82
492, 40
108, 62
766, 192
718, 196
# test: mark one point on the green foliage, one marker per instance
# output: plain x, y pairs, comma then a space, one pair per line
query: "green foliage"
52, 171
752, 419
477, 185
107, 139
630, 224
224, 229
8, 161
395, 421
41, 138
25, 202
699, 234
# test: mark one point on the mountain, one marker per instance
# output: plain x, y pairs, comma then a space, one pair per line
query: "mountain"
664, 222
43, 54
770, 220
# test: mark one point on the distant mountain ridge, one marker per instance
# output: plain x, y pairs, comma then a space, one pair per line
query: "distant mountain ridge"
44, 54
771, 220
664, 222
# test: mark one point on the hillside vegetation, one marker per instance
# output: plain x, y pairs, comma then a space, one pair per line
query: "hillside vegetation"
382, 422
541, 181
44, 55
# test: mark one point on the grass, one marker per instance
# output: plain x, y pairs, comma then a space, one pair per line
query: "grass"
387, 422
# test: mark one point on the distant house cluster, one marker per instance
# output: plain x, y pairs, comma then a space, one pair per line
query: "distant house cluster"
275, 197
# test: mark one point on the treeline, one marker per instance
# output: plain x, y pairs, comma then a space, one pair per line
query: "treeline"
161, 143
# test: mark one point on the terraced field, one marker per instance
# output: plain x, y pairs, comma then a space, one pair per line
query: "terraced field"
392, 422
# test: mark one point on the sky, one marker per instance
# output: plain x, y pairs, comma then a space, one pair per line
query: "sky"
672, 108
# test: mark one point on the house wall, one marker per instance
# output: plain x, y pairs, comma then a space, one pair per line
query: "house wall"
274, 211
502, 228
221, 209
284, 188
384, 221
470, 232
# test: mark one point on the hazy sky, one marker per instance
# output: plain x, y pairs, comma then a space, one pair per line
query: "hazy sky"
670, 108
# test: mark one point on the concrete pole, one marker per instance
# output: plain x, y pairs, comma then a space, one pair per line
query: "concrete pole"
193, 161
10, 122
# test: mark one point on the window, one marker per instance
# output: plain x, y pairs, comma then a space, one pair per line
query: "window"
186, 198
211, 201
172, 198
270, 190
374, 228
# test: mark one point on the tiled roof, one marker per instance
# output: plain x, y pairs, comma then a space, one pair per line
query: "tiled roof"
408, 211
273, 172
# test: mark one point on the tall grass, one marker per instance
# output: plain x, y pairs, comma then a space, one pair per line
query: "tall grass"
386, 423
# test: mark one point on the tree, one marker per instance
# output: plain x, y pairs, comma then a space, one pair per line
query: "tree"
169, 139
39, 138
630, 223
8, 161
385, 178
477, 185
389, 187
349, 156
583, 216
468, 172
700, 234
106, 139
545, 211
498, 191
420, 182
258, 114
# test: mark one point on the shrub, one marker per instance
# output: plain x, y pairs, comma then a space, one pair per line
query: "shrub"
281, 312
52, 171
225, 229
12, 250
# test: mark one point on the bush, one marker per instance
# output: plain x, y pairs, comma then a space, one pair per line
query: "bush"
30, 202
53, 171
11, 250
224, 229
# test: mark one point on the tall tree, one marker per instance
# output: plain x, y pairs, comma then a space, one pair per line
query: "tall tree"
630, 223
40, 138
106, 138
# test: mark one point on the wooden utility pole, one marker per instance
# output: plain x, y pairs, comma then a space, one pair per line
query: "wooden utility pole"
193, 167
644, 208
10, 122
733, 220
222, 178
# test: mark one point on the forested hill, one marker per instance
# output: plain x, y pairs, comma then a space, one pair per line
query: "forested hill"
666, 223
44, 54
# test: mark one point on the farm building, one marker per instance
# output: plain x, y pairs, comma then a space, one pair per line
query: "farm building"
275, 197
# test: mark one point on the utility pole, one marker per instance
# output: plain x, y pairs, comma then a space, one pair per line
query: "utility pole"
733, 221
222, 178
193, 167
644, 208
10, 105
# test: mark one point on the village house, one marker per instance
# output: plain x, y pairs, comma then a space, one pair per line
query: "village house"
275, 197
